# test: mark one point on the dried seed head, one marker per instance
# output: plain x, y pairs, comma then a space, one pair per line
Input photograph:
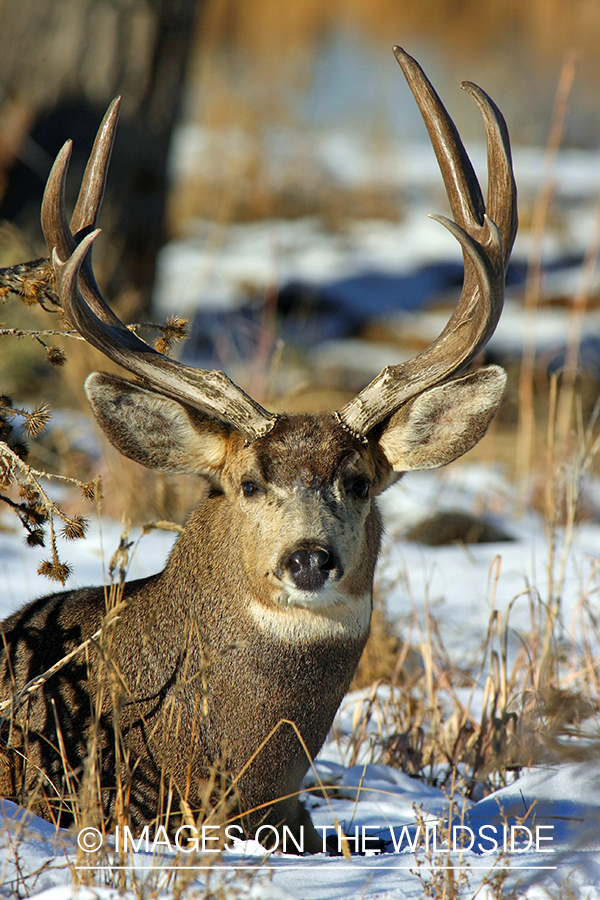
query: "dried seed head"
35, 515
29, 492
30, 291
162, 345
37, 420
92, 491
175, 329
57, 571
75, 528
56, 356
20, 449
35, 538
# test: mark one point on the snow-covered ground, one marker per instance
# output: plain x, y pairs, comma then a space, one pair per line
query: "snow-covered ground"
215, 264
558, 806
554, 811
372, 270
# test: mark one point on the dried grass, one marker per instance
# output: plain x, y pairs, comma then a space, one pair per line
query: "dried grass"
537, 705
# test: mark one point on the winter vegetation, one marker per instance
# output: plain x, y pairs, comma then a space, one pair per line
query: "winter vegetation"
464, 760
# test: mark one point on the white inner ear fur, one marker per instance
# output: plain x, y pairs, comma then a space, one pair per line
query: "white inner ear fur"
443, 422
156, 431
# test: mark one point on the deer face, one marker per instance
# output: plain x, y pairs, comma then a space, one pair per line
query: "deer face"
305, 494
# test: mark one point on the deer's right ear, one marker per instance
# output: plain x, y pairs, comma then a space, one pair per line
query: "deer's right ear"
157, 431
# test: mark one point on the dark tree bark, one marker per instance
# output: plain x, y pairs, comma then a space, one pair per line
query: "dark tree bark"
61, 62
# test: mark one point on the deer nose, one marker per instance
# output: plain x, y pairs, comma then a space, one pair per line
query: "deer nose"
310, 567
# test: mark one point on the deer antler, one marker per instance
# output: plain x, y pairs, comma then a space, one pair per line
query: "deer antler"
486, 241
206, 390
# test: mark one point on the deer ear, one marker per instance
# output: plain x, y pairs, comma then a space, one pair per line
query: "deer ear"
157, 431
443, 422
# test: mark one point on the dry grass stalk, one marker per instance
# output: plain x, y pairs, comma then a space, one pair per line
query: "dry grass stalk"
534, 274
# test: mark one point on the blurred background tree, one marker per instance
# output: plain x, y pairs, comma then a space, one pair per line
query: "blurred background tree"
61, 62
245, 67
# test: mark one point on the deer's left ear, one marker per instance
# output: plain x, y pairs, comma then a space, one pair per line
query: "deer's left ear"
443, 422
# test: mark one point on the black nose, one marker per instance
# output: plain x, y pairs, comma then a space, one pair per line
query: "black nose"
310, 568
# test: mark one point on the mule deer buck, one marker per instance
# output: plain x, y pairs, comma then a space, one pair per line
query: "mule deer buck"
262, 611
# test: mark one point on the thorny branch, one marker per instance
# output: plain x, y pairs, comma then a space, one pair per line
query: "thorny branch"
35, 508
33, 283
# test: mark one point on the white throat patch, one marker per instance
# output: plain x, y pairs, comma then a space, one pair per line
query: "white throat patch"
295, 618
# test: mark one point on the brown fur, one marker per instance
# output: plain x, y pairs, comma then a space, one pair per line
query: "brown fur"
222, 646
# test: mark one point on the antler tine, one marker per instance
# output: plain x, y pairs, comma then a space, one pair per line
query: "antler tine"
460, 180
486, 246
89, 201
502, 190
56, 229
208, 391
55, 225
54, 218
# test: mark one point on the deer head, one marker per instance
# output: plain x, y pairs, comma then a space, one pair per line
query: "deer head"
416, 415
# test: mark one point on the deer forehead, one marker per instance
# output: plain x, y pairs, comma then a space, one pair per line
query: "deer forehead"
311, 451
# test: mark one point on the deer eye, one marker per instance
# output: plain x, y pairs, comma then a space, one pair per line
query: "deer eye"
249, 488
360, 488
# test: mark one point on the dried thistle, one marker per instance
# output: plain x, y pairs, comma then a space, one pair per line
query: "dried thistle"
162, 345
29, 492
74, 529
34, 515
174, 330
21, 449
37, 511
36, 538
92, 490
56, 356
32, 282
57, 571
37, 419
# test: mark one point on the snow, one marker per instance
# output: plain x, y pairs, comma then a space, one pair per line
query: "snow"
215, 264
561, 801
212, 265
218, 266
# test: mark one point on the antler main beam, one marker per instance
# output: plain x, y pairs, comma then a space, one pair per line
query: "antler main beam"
486, 240
208, 391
